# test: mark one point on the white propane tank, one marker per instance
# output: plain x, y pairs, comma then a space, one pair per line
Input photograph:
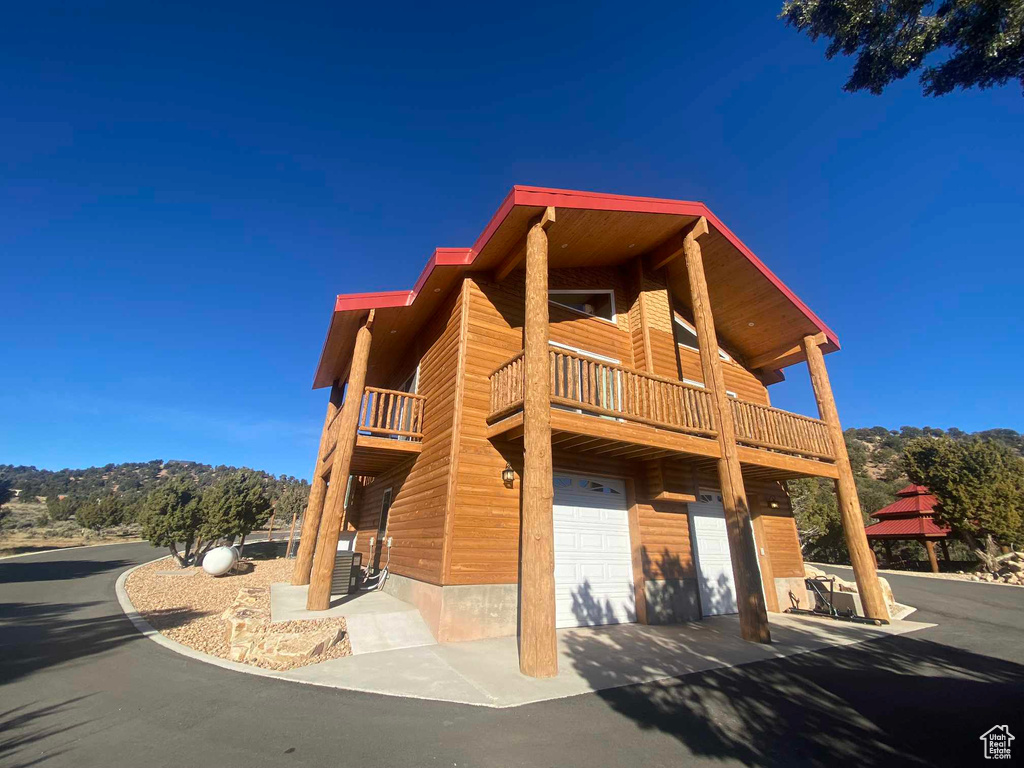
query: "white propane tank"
220, 560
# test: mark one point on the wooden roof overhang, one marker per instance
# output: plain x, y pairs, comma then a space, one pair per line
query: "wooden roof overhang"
757, 317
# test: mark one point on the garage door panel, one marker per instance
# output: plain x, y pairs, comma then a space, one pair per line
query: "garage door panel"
593, 561
565, 540
711, 552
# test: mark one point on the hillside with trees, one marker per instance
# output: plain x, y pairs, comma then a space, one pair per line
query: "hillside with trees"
978, 476
124, 499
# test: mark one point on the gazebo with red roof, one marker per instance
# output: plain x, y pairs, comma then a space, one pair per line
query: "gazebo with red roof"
910, 518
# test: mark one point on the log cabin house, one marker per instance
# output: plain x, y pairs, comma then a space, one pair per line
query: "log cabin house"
569, 423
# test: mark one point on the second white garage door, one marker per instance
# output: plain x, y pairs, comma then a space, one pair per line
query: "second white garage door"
711, 547
593, 562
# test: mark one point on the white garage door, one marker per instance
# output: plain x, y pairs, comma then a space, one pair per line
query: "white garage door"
711, 548
593, 563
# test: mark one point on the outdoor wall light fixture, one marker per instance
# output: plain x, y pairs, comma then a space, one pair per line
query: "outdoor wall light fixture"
773, 503
508, 475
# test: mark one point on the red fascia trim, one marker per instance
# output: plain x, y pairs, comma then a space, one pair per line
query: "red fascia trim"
442, 257
566, 198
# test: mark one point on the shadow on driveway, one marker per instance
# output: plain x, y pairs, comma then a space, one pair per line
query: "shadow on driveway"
890, 701
40, 635
20, 571
21, 727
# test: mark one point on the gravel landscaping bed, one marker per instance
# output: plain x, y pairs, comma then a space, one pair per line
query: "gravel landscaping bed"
185, 604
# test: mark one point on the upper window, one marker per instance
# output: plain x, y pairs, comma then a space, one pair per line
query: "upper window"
410, 384
599, 303
686, 336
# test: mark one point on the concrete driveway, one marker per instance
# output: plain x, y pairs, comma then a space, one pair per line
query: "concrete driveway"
80, 687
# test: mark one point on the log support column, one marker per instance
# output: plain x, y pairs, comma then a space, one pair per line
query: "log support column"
317, 494
933, 561
861, 557
945, 549
742, 549
538, 652
319, 596
887, 545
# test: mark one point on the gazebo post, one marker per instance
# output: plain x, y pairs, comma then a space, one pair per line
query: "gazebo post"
888, 553
945, 549
932, 560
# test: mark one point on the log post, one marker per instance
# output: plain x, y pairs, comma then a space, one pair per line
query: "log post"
862, 558
538, 651
317, 495
945, 549
887, 545
742, 548
291, 535
319, 596
933, 561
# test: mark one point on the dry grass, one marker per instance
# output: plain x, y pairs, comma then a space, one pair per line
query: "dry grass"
185, 604
26, 542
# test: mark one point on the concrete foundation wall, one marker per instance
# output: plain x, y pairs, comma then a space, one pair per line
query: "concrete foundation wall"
476, 611
472, 612
671, 601
461, 612
796, 586
426, 597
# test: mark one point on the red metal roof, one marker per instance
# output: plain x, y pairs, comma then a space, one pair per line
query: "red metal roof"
907, 528
567, 198
561, 198
912, 490
908, 506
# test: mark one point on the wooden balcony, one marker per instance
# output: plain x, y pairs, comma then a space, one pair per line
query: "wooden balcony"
613, 411
389, 432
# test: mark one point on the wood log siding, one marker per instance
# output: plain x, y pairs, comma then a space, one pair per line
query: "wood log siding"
389, 412
760, 426
605, 389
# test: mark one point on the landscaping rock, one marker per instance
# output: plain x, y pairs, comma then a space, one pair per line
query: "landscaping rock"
246, 621
286, 648
226, 616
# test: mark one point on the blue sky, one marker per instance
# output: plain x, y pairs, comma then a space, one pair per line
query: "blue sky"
184, 189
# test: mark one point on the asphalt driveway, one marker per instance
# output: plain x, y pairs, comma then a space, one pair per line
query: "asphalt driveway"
80, 687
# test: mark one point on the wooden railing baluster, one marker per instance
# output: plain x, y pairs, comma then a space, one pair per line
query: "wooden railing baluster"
606, 389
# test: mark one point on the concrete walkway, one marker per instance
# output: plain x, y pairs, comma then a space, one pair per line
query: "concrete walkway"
376, 621
486, 672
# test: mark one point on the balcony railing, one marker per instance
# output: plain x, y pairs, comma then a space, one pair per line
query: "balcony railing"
389, 413
593, 386
587, 384
762, 427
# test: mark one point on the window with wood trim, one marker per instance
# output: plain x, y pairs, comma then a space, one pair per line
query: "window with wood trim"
686, 336
595, 303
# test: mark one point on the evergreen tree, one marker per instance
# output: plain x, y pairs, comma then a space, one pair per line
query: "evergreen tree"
977, 43
235, 506
979, 484
172, 516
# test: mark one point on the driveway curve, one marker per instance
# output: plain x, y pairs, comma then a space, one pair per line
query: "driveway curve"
79, 686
